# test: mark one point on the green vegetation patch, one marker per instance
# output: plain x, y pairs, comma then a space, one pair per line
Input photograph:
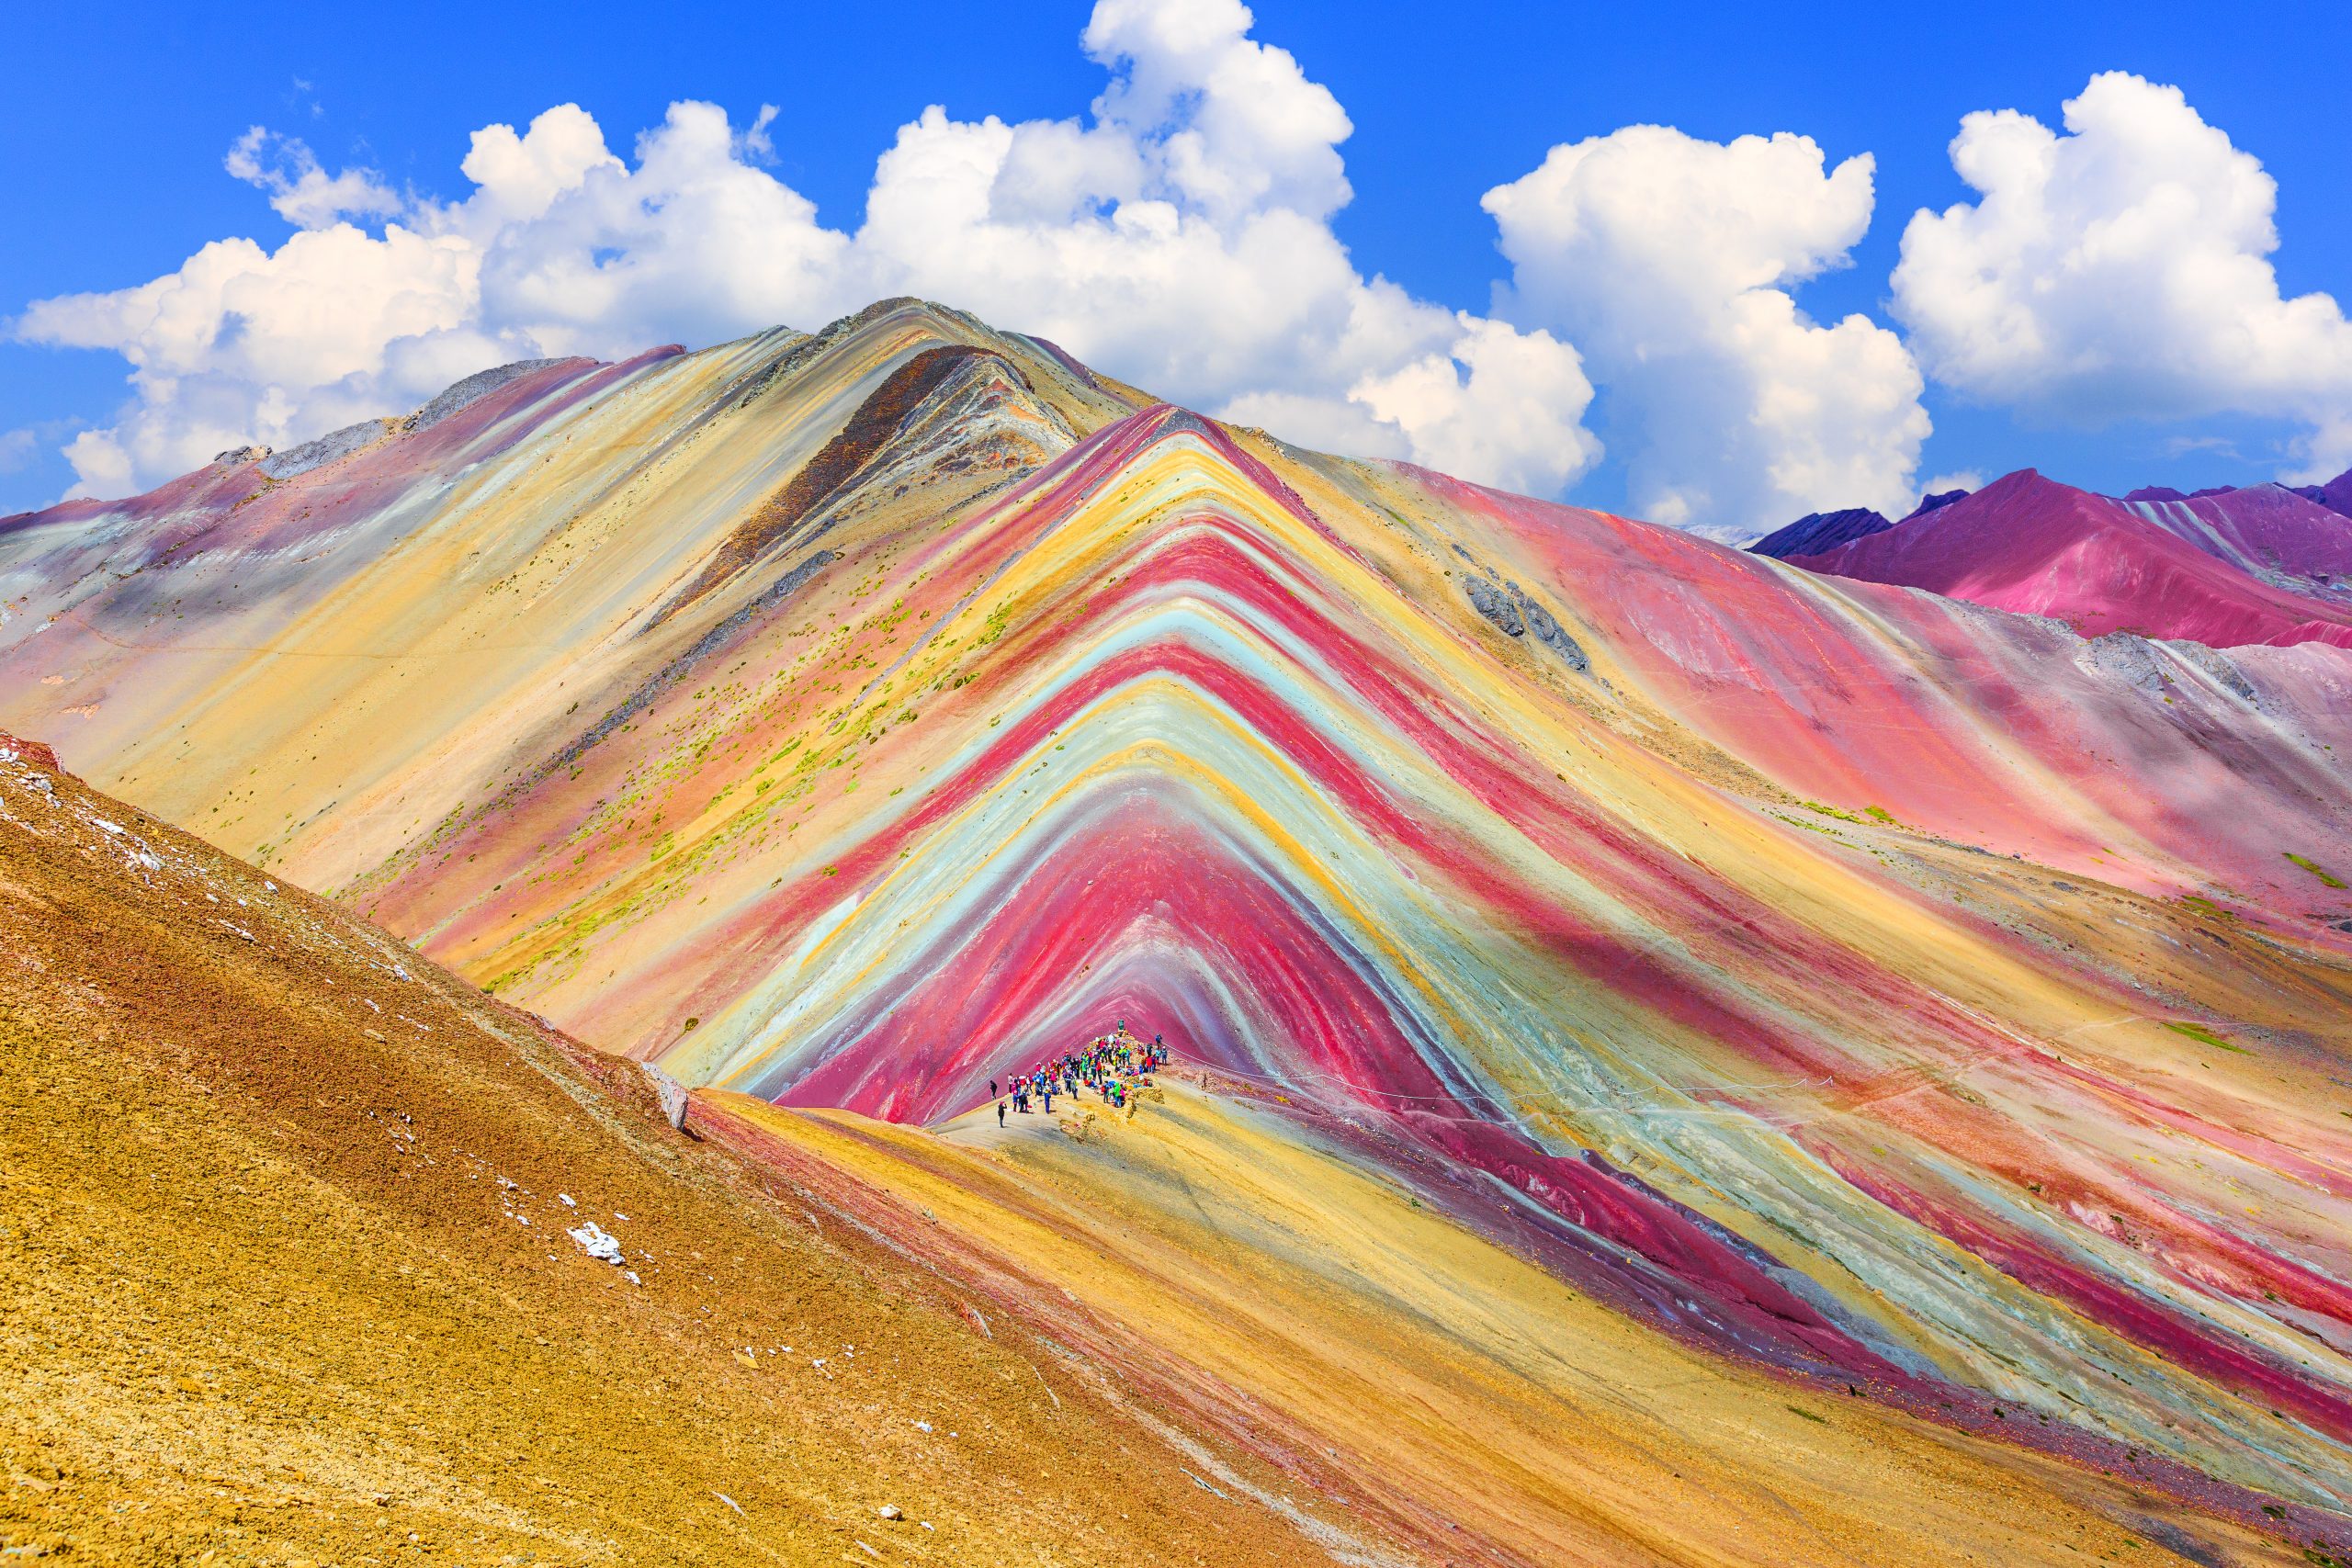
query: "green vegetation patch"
2325, 875
2199, 1032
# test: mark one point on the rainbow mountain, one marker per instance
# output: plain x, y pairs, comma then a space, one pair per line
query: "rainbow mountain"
1848, 994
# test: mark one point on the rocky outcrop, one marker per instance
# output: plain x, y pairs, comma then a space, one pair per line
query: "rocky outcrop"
1515, 613
457, 394
333, 447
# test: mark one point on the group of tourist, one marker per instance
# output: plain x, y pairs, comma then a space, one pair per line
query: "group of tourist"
1111, 1065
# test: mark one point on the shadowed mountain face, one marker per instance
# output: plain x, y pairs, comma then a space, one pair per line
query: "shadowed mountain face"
1818, 531
1823, 975
2336, 494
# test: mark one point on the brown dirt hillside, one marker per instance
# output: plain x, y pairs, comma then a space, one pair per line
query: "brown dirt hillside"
285, 1277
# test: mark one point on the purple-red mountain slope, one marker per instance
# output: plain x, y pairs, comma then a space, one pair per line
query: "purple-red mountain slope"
2282, 535
2032, 545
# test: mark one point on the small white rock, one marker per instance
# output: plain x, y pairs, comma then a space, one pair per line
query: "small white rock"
890, 1511
596, 1243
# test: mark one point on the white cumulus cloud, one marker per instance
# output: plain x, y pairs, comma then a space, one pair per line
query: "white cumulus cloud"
1178, 235
299, 191
1667, 261
243, 343
1499, 402
2118, 271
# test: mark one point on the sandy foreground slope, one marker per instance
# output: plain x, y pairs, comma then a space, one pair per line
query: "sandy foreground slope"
267, 1294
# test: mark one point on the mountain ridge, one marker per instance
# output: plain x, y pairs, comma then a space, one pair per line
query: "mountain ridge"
1819, 967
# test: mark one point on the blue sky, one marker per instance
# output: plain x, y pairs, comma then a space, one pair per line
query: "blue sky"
111, 158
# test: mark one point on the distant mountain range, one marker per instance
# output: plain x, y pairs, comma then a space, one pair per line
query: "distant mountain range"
2262, 564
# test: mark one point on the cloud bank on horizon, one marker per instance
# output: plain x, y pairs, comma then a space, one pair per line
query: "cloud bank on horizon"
1179, 235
